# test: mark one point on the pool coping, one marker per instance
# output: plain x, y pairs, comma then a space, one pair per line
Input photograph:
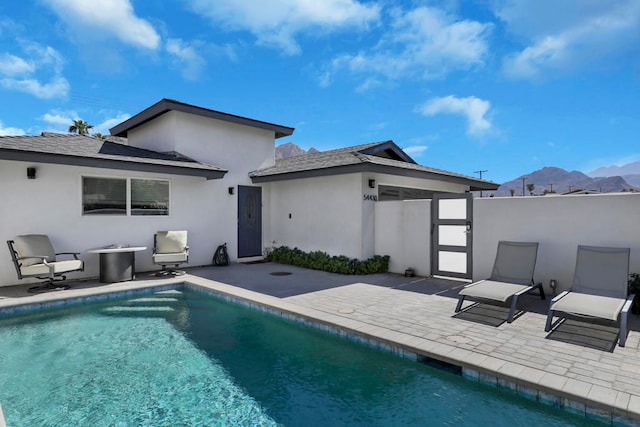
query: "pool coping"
544, 387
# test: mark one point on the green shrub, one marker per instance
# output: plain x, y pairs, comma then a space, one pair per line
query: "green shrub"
318, 260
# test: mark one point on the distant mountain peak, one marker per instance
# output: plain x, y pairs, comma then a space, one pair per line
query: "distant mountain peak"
557, 180
290, 149
627, 169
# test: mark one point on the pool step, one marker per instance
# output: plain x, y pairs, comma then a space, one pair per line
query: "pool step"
137, 309
147, 300
169, 292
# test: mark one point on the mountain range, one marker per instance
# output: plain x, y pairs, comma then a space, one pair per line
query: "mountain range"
548, 179
552, 179
630, 172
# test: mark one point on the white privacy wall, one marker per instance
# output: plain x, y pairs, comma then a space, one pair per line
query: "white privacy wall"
318, 214
559, 224
403, 231
52, 204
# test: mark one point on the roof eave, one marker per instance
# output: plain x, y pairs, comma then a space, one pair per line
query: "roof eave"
166, 105
474, 185
59, 159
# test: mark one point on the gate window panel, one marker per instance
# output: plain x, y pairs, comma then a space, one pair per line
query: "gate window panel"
452, 235
453, 262
453, 209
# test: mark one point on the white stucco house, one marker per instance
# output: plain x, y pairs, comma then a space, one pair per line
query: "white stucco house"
176, 166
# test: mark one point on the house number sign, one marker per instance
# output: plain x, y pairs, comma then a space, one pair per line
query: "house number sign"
371, 197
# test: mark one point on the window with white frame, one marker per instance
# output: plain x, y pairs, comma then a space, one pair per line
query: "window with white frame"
122, 196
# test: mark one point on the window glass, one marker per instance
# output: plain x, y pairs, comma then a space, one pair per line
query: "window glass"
149, 197
104, 196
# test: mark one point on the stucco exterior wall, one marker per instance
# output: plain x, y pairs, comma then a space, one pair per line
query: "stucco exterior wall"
236, 148
559, 224
318, 214
403, 231
52, 205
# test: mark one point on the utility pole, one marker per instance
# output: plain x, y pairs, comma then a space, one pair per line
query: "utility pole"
480, 172
551, 187
524, 178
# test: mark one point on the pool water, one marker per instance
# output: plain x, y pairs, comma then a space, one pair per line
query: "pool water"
184, 358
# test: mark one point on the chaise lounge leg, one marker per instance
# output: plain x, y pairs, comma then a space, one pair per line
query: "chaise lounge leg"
623, 329
541, 288
512, 311
460, 301
547, 326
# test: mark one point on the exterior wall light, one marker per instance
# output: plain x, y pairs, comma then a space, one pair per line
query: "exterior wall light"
31, 173
372, 183
230, 189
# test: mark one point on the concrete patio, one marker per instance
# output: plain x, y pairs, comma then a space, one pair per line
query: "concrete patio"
577, 366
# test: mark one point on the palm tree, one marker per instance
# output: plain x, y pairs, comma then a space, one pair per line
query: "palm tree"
80, 127
531, 188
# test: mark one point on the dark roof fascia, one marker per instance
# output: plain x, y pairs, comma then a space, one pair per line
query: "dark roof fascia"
58, 159
166, 105
388, 145
474, 185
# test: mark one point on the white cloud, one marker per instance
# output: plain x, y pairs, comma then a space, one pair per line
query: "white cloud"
425, 42
186, 57
277, 23
60, 118
57, 87
11, 65
472, 108
107, 124
574, 35
416, 150
9, 131
29, 74
102, 18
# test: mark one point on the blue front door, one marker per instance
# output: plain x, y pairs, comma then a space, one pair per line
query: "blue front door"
249, 221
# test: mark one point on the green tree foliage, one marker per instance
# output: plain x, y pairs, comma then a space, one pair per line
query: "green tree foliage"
80, 127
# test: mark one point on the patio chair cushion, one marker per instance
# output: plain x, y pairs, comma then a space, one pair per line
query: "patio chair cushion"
590, 305
170, 258
59, 267
34, 245
168, 242
490, 289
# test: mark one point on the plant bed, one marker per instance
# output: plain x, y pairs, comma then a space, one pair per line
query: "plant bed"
319, 260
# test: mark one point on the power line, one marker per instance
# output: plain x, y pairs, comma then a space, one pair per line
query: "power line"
480, 172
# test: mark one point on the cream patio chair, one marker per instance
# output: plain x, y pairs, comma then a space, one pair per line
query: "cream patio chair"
33, 256
599, 289
511, 277
170, 248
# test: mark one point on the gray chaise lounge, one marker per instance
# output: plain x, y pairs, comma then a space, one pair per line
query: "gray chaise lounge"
512, 276
599, 288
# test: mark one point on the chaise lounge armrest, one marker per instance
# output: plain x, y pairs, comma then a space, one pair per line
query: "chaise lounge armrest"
75, 254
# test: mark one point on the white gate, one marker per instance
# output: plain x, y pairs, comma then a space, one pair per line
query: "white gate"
451, 235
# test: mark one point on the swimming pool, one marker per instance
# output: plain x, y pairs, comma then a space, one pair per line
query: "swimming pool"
180, 357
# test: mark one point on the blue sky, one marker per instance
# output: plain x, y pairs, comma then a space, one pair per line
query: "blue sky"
506, 86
